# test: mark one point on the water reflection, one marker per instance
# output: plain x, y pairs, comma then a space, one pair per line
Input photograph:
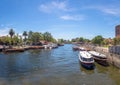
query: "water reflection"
86, 71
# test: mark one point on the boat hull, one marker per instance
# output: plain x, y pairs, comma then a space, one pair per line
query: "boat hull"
87, 65
99, 58
101, 61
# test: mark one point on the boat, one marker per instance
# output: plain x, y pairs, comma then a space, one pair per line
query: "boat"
54, 45
51, 46
82, 49
60, 44
86, 59
75, 48
99, 58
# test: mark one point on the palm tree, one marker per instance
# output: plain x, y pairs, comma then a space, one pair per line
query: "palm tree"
11, 33
25, 34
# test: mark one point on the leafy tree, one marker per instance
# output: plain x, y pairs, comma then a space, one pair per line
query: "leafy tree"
73, 40
47, 36
30, 35
60, 40
35, 37
116, 41
97, 40
41, 36
81, 39
5, 40
15, 40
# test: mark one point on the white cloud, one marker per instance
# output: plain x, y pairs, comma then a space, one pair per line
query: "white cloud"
73, 17
54, 6
4, 31
111, 10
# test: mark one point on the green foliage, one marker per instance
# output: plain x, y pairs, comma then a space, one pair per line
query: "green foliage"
47, 36
61, 40
97, 40
81, 39
35, 37
15, 40
5, 40
11, 32
30, 35
25, 35
116, 41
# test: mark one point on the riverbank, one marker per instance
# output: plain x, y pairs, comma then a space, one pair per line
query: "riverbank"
113, 59
27, 47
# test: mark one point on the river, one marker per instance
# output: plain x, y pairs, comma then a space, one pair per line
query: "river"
59, 66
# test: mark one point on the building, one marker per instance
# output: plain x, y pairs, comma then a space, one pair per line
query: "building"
117, 31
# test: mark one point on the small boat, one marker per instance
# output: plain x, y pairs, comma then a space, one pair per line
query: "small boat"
82, 49
75, 48
99, 58
60, 44
54, 45
86, 59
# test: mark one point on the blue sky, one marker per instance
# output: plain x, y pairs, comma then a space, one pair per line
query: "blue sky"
62, 18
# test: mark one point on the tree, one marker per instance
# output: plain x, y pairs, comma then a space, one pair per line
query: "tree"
97, 40
15, 40
5, 40
60, 40
35, 37
116, 41
81, 39
47, 36
30, 35
25, 35
41, 36
11, 33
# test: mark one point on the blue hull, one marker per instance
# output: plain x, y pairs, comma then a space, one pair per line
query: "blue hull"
88, 66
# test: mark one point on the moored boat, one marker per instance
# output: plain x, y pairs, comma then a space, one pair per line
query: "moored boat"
86, 59
60, 44
75, 48
99, 58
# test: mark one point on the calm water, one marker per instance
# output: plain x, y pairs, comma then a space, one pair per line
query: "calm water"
53, 67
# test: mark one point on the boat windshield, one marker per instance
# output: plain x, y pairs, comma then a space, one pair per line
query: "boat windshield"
87, 59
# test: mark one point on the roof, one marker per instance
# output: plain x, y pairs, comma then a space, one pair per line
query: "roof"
97, 54
85, 54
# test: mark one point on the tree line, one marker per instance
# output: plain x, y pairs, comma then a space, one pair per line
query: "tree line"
98, 40
34, 38
26, 38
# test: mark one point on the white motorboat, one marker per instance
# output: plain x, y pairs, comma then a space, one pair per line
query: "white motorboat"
99, 58
86, 59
